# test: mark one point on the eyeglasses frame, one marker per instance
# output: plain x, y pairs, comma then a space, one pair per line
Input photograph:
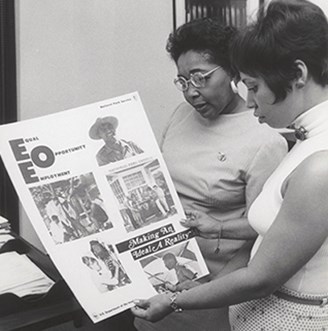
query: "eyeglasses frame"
190, 81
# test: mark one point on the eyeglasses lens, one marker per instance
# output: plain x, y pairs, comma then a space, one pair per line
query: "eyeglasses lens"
197, 79
181, 84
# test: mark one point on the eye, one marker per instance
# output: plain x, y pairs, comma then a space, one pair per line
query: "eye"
252, 89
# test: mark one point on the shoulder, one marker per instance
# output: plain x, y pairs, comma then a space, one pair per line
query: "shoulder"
180, 112
267, 134
176, 119
183, 108
103, 155
306, 191
269, 140
102, 150
312, 173
309, 179
253, 133
260, 139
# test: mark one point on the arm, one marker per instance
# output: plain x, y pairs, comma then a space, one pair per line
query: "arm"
239, 260
300, 229
266, 159
211, 228
262, 165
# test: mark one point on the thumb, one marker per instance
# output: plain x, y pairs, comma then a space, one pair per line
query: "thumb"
170, 287
190, 213
187, 223
140, 303
190, 221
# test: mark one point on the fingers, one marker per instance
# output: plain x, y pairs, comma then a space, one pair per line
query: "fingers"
144, 304
170, 287
191, 224
191, 214
139, 312
140, 308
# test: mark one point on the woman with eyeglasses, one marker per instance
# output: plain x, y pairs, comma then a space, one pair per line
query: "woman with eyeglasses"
283, 60
218, 155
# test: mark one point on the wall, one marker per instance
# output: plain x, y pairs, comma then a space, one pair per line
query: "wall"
73, 52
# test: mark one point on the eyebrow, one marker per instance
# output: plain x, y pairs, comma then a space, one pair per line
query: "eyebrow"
192, 71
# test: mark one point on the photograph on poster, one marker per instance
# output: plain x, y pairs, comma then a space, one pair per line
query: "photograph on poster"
142, 194
114, 148
171, 266
104, 267
71, 208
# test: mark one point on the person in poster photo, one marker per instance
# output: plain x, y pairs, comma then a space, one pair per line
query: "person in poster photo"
107, 256
114, 149
103, 278
183, 273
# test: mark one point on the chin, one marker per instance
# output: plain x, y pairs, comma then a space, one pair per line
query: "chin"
275, 125
210, 116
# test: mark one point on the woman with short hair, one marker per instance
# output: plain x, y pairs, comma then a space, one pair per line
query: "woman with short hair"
283, 60
217, 154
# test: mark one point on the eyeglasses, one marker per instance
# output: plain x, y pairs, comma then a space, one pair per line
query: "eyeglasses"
197, 79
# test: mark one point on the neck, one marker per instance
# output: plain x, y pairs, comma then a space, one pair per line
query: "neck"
313, 95
237, 105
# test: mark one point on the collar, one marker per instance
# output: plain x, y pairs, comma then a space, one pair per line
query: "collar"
312, 122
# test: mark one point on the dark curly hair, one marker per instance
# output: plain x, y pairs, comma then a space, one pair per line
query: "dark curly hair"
290, 30
205, 35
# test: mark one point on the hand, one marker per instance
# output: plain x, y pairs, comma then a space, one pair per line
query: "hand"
153, 309
203, 225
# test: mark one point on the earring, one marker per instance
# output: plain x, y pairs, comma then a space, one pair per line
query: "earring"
234, 87
300, 84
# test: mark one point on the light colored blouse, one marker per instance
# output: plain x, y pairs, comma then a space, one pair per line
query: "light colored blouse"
312, 278
219, 167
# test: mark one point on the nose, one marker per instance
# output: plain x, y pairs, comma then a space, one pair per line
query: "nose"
250, 103
191, 92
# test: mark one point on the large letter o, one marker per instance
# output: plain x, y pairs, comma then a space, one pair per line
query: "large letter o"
42, 163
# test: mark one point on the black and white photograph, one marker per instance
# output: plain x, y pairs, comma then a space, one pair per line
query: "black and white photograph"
72, 208
171, 267
106, 271
143, 195
141, 125
114, 148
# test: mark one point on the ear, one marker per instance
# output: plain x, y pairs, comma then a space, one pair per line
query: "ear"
301, 74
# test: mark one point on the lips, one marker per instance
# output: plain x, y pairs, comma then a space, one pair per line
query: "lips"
261, 119
201, 108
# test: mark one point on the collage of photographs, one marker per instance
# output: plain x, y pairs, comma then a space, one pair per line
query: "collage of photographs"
85, 207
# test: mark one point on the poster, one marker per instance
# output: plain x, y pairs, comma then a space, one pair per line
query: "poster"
93, 182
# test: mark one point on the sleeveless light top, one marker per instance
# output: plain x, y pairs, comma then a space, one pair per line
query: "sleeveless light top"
312, 278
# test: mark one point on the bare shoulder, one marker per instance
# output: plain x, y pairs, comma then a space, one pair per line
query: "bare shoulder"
312, 173
315, 164
305, 199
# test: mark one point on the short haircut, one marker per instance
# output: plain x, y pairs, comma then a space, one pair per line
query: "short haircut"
289, 30
205, 35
